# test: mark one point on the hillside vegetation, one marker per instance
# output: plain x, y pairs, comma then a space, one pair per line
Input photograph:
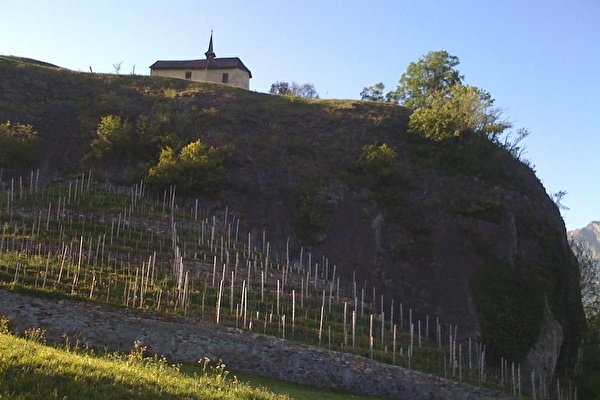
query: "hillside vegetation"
32, 370
455, 229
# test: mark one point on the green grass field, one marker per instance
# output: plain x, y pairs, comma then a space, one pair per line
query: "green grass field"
29, 369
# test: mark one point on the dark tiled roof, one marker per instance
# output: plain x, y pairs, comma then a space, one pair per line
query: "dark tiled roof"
217, 63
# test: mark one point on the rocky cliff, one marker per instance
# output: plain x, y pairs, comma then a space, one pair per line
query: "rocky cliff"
457, 230
590, 237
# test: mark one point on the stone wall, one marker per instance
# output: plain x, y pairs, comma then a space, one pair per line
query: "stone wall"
187, 340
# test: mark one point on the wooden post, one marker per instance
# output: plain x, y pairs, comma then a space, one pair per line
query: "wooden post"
321, 321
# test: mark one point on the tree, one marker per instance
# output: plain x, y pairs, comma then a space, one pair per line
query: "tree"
512, 143
430, 77
557, 198
305, 90
117, 67
373, 93
442, 106
282, 88
456, 110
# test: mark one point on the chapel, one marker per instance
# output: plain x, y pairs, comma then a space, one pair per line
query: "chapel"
229, 71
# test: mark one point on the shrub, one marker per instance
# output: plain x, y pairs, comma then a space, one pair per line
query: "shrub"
4, 330
114, 139
378, 162
196, 169
18, 145
485, 208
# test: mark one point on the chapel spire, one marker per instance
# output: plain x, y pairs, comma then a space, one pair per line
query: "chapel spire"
210, 54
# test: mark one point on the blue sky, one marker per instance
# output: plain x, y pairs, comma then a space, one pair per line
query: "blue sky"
539, 59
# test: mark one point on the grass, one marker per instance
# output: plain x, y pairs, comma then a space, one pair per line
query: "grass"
297, 391
31, 370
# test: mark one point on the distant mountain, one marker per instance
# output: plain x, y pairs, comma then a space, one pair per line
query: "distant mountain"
589, 237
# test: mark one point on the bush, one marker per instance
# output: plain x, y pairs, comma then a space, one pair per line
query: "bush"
378, 162
18, 145
196, 169
485, 208
114, 139
4, 326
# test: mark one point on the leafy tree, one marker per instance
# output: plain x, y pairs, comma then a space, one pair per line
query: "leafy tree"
373, 93
456, 110
305, 90
282, 88
432, 76
196, 169
18, 145
443, 107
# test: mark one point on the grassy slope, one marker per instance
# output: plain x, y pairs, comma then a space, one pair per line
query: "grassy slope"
31, 370
299, 392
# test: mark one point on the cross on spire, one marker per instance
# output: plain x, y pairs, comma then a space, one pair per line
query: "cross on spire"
210, 54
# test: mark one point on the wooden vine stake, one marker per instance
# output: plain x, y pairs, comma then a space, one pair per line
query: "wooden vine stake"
219, 301
293, 309
394, 346
321, 322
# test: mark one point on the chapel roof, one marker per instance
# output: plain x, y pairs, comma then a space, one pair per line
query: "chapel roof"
215, 63
211, 62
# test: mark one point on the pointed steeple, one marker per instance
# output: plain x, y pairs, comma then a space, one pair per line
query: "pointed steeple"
210, 54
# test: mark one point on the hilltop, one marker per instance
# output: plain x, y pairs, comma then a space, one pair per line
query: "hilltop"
458, 229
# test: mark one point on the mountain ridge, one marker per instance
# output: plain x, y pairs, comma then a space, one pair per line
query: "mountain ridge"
590, 235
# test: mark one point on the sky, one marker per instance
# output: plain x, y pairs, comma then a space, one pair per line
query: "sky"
539, 59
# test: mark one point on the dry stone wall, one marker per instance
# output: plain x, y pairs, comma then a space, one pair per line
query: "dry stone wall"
187, 340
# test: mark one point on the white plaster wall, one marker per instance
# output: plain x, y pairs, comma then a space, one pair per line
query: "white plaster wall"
237, 78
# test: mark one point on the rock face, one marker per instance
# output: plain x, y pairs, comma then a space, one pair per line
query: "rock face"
543, 357
590, 236
189, 341
460, 231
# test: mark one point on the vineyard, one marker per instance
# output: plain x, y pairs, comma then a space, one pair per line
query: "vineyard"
122, 246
